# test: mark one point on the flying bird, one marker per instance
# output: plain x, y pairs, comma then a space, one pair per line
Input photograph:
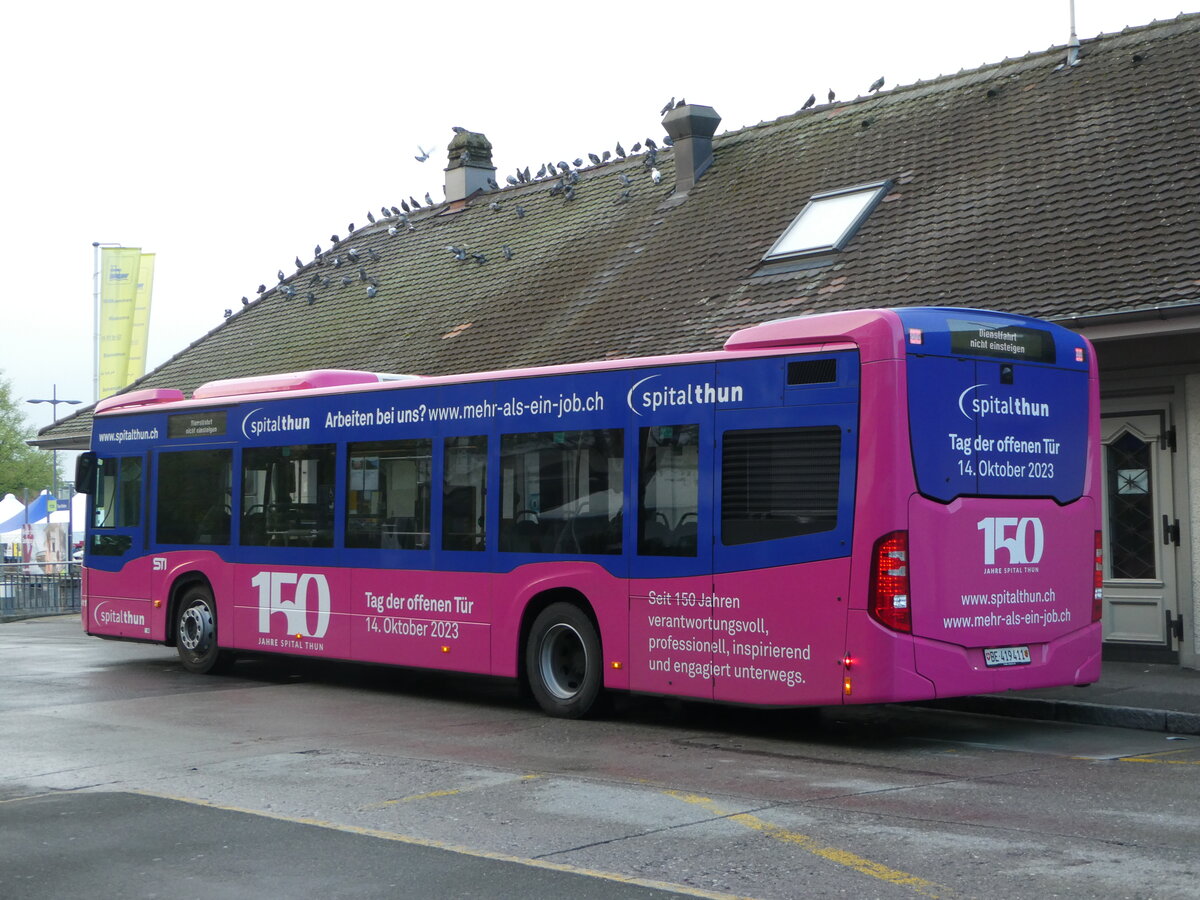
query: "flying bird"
422, 154
875, 85
810, 102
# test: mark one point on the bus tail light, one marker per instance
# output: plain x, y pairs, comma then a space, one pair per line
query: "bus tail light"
889, 582
1098, 579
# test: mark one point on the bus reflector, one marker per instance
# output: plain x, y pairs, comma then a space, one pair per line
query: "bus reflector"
1098, 579
889, 582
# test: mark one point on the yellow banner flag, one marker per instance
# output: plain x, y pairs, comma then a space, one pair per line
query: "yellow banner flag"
139, 331
118, 290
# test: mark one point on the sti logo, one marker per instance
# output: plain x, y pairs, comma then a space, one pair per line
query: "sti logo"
1023, 539
272, 588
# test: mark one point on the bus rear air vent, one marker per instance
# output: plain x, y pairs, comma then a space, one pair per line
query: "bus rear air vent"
812, 371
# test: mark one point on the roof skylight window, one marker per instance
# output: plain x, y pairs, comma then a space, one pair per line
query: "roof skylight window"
828, 221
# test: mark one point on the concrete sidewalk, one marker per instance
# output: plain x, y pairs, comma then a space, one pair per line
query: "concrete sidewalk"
1149, 696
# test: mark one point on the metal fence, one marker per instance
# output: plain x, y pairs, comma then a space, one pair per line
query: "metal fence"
29, 591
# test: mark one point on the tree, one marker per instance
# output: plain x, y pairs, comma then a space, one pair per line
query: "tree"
21, 467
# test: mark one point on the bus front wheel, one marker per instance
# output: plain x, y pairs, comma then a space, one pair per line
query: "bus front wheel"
562, 660
196, 633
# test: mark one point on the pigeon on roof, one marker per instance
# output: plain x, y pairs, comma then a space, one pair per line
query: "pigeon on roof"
511, 179
667, 107
681, 103
624, 179
508, 254
541, 173
479, 258
650, 145
384, 210
374, 254
371, 291
395, 210
459, 253
422, 154
261, 288
281, 275
353, 254
393, 230
570, 193
669, 141
564, 166
458, 129
625, 195
347, 280
228, 313
810, 102
578, 161
316, 279
520, 211
245, 301
594, 158
620, 150
299, 265
493, 184
350, 228
337, 262
334, 238
412, 202
370, 217
362, 273
404, 206
526, 175
832, 95
656, 176
428, 199
875, 85
636, 147
311, 298
317, 252
605, 156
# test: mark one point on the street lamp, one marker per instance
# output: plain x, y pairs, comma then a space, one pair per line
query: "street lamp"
54, 401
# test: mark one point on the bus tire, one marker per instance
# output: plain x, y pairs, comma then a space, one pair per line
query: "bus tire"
563, 661
196, 633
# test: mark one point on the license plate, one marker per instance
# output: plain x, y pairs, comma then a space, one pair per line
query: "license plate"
1007, 656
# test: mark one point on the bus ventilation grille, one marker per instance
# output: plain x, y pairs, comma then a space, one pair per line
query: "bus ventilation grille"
812, 371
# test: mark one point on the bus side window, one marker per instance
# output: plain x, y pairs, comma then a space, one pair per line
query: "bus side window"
464, 493
193, 497
388, 495
562, 491
287, 495
668, 490
779, 483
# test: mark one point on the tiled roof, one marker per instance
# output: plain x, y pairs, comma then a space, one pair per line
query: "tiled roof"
1023, 186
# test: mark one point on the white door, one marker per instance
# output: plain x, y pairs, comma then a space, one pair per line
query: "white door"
1141, 533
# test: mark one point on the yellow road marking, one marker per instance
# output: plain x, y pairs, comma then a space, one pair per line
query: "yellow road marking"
384, 804
1166, 762
922, 886
453, 848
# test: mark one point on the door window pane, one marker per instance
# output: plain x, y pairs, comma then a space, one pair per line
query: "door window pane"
562, 491
668, 490
1131, 547
118, 499
464, 493
779, 482
388, 494
194, 497
287, 496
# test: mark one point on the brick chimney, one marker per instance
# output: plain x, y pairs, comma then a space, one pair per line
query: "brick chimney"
691, 127
469, 173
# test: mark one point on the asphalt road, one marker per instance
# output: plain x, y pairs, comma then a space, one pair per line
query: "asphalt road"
123, 776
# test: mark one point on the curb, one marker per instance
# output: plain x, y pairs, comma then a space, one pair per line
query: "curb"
1165, 720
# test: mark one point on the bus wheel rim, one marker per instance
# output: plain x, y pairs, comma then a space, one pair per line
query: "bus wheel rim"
196, 628
562, 661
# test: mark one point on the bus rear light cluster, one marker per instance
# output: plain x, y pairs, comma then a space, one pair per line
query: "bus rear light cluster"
1098, 579
889, 582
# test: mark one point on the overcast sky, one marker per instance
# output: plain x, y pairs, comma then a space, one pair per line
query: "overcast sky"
229, 137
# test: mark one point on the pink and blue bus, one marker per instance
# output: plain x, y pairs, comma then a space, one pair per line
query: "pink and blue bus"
856, 507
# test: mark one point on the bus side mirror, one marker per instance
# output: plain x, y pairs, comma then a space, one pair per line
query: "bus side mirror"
85, 473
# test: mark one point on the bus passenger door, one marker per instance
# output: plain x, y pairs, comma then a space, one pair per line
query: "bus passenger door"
117, 571
670, 585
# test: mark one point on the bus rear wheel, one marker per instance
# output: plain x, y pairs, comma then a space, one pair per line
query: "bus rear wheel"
562, 661
196, 633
